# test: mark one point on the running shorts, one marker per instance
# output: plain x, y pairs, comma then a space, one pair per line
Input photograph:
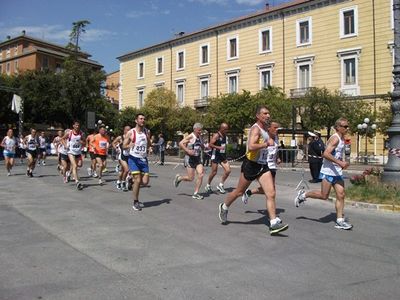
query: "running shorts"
138, 165
192, 161
252, 170
32, 153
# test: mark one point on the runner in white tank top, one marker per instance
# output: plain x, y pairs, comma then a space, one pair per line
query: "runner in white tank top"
9, 145
31, 142
332, 174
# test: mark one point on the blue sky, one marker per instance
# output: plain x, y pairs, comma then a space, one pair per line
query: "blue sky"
118, 27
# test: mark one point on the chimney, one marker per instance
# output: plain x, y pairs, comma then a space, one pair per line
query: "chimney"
8, 37
266, 6
23, 32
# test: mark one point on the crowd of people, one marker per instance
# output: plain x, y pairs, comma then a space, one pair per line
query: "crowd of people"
260, 162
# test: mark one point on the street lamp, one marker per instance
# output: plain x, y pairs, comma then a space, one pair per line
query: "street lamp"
366, 127
391, 171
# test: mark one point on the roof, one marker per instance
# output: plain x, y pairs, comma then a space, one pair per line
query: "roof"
63, 54
265, 11
111, 73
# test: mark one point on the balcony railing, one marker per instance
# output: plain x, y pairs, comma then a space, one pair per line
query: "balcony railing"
297, 93
199, 103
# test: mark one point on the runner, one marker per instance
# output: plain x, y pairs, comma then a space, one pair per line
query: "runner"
92, 169
56, 143
9, 145
273, 160
138, 141
218, 156
192, 145
254, 167
21, 150
332, 174
42, 149
100, 143
122, 155
74, 140
32, 143
62, 150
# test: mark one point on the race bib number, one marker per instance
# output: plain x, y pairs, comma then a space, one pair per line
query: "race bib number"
196, 149
223, 148
103, 145
141, 150
263, 156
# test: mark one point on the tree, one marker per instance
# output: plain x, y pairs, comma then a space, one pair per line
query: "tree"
8, 84
78, 28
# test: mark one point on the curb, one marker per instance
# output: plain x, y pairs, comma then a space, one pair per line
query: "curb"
372, 206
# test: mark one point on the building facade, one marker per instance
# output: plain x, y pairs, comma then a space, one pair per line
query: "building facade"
344, 45
112, 88
23, 53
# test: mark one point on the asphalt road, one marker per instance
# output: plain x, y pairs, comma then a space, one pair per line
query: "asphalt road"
60, 243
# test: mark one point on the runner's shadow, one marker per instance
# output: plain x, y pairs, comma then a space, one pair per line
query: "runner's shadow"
262, 220
264, 211
156, 203
327, 219
42, 176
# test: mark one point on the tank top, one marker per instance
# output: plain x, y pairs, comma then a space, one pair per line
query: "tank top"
261, 155
329, 167
124, 152
61, 149
195, 144
32, 143
74, 143
221, 142
9, 144
42, 142
21, 144
90, 140
139, 148
100, 144
273, 154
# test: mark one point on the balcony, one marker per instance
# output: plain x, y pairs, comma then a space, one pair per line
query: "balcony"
200, 103
298, 93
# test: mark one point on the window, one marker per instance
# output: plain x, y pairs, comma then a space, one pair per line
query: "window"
8, 68
160, 65
204, 54
140, 97
304, 32
265, 40
304, 76
16, 66
180, 91
8, 51
349, 71
141, 70
16, 49
304, 72
233, 84
45, 62
204, 88
348, 22
265, 78
233, 48
180, 60
58, 68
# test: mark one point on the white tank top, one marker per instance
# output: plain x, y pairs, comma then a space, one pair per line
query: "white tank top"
21, 144
139, 149
331, 168
61, 149
195, 144
273, 154
74, 143
42, 142
32, 143
9, 144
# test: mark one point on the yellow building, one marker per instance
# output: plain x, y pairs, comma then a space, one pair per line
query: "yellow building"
344, 45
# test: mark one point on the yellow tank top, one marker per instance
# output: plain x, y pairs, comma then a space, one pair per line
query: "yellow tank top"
260, 155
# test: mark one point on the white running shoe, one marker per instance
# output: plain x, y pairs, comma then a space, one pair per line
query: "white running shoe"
220, 188
300, 198
89, 171
207, 188
94, 175
245, 196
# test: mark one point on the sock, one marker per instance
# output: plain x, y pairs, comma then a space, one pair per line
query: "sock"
118, 181
339, 219
224, 206
273, 221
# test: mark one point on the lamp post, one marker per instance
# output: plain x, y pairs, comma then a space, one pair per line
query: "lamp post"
391, 171
366, 127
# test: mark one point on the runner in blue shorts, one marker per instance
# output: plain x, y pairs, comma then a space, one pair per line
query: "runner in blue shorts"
9, 145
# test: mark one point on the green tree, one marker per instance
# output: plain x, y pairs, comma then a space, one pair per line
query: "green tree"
8, 84
78, 28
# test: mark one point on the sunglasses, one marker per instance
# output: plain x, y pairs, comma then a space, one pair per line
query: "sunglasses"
345, 126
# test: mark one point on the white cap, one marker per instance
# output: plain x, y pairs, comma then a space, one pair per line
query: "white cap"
312, 134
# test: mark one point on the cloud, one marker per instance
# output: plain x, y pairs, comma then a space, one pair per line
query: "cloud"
55, 33
250, 2
220, 2
153, 10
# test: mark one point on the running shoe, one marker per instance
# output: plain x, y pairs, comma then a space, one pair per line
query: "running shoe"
136, 206
117, 168
89, 171
207, 188
245, 196
124, 186
300, 198
177, 180
94, 174
43, 163
101, 181
8, 173
79, 186
27, 173
65, 179
119, 185
30, 174
105, 170
197, 196
343, 225
223, 214
220, 188
278, 227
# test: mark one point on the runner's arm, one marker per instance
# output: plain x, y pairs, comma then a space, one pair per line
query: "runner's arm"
213, 140
253, 139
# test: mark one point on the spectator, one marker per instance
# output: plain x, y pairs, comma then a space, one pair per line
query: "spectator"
315, 149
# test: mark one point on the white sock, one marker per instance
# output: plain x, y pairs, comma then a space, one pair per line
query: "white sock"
224, 206
340, 220
273, 221
118, 181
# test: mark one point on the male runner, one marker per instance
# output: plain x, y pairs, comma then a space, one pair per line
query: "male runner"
92, 169
56, 143
138, 141
192, 145
9, 144
62, 150
332, 174
254, 167
123, 155
100, 143
75, 140
42, 149
218, 156
32, 143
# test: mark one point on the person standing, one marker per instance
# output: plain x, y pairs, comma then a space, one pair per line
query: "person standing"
255, 167
9, 144
333, 165
161, 147
75, 141
42, 149
138, 141
218, 157
315, 149
192, 145
32, 143
100, 143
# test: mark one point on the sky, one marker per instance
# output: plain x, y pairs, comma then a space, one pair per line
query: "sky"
120, 26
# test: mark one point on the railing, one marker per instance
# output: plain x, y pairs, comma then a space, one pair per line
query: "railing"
297, 93
203, 102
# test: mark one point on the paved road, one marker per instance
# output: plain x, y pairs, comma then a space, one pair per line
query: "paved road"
59, 243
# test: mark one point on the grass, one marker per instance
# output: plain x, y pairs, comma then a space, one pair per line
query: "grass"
377, 193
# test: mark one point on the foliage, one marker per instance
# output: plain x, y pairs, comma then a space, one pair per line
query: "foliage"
357, 180
384, 117
7, 117
363, 178
78, 28
375, 193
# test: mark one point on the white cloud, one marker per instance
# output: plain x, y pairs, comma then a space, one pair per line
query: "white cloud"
153, 10
250, 2
55, 33
224, 2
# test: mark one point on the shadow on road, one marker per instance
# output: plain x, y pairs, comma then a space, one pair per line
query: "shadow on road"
327, 219
156, 203
262, 220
